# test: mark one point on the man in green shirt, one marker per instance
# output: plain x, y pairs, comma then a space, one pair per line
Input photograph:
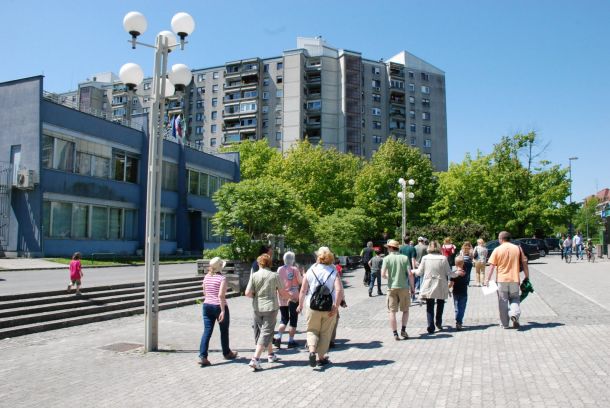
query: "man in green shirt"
396, 269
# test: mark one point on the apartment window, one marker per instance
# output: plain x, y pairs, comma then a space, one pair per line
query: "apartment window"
279, 79
266, 68
213, 128
169, 176
425, 102
213, 142
427, 129
376, 111
412, 114
376, 97
412, 100
125, 167
168, 226
425, 89
265, 109
376, 83
146, 86
278, 121
279, 65
375, 70
247, 107
214, 115
199, 104
411, 87
425, 76
413, 127
265, 95
411, 74
215, 88
397, 84
57, 154
198, 130
376, 139
248, 122
265, 123
278, 135
200, 90
314, 105
214, 102
279, 93
376, 124
265, 81
200, 77
428, 143
413, 141
215, 75
199, 117
91, 165
99, 222
425, 115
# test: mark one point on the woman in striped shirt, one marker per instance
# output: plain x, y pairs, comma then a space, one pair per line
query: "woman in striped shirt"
215, 308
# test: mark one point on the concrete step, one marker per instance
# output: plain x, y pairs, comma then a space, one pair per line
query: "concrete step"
99, 317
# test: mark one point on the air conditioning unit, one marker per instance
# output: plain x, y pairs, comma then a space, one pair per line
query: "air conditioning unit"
25, 179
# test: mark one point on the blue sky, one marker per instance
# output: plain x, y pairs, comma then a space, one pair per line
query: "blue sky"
511, 66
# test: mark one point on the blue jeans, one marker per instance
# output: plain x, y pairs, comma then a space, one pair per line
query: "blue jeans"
375, 276
459, 303
210, 317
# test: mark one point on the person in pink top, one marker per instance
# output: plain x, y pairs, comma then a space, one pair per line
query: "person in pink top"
291, 277
76, 273
215, 309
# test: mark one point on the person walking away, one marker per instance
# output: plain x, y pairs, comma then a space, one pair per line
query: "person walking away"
567, 246
214, 310
421, 249
375, 265
408, 250
76, 273
291, 280
264, 288
339, 269
435, 272
460, 291
480, 260
324, 287
577, 243
467, 253
264, 249
507, 259
448, 250
367, 254
396, 269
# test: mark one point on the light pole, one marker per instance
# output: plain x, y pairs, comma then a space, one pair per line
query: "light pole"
163, 85
570, 159
403, 197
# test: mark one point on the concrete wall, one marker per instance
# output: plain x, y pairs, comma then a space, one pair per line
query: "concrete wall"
293, 99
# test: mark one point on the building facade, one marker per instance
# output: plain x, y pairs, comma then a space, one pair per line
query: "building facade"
316, 92
71, 181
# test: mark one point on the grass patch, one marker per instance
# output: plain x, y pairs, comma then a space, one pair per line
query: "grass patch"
121, 261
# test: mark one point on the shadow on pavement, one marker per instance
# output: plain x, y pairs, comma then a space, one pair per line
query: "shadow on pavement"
477, 327
358, 364
345, 344
536, 325
90, 300
436, 335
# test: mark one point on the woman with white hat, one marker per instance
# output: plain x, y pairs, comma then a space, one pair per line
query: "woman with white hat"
215, 308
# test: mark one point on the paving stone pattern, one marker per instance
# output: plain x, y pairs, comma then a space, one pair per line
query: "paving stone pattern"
559, 358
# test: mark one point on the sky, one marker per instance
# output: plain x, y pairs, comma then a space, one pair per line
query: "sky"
511, 66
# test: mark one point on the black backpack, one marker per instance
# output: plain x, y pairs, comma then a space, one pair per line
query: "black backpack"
321, 298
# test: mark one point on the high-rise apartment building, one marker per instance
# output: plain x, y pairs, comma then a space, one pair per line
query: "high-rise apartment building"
315, 92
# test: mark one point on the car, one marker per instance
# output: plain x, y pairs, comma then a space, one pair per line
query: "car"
553, 243
531, 252
537, 242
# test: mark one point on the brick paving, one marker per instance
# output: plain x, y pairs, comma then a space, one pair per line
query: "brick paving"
560, 358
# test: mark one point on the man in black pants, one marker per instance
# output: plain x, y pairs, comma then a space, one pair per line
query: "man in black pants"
367, 254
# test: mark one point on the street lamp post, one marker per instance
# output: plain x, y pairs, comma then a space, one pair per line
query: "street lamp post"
163, 86
570, 159
403, 197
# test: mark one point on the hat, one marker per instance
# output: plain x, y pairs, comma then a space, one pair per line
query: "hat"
420, 239
216, 264
392, 243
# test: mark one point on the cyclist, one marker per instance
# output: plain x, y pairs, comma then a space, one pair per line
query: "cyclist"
589, 249
567, 246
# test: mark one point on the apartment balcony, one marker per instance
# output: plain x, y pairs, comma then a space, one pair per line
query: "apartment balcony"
314, 95
232, 138
174, 106
397, 101
395, 90
398, 114
313, 67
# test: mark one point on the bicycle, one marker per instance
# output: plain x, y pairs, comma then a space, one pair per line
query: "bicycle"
590, 255
568, 255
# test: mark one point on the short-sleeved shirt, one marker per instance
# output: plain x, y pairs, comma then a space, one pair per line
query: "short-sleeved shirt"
289, 277
577, 240
506, 259
397, 266
376, 263
367, 254
409, 251
421, 250
211, 287
75, 269
265, 284
480, 253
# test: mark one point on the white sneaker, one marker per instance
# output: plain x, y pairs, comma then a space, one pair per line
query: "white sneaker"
255, 365
272, 358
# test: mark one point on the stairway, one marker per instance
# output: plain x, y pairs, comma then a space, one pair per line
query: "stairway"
41, 311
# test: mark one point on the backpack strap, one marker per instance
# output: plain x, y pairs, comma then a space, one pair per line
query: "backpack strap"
320, 283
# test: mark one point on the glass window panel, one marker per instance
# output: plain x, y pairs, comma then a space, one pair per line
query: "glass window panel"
193, 182
62, 219
99, 223
63, 158
131, 171
46, 218
131, 224
83, 163
213, 185
100, 166
203, 184
204, 228
80, 220
116, 223
119, 166
47, 151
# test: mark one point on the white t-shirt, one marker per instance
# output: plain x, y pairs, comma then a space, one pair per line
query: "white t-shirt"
576, 240
324, 273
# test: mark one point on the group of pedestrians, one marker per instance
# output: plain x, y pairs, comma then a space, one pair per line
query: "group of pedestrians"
575, 245
431, 271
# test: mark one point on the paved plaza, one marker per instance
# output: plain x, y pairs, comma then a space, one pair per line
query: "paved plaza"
559, 358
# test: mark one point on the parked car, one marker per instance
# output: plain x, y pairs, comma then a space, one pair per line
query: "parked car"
537, 242
530, 251
552, 243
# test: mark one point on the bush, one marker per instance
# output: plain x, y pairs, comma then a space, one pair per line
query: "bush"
223, 251
466, 231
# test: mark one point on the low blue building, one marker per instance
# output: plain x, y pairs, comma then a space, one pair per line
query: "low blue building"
71, 181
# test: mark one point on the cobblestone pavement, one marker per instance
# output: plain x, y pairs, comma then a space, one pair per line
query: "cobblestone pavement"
559, 358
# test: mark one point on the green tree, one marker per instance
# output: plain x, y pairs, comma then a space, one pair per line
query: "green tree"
344, 230
586, 220
377, 186
256, 159
322, 178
